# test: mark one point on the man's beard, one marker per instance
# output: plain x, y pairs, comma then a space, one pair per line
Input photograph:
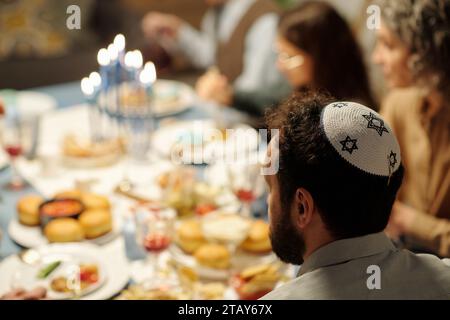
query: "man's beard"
287, 243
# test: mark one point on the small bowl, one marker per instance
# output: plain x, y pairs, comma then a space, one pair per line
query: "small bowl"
59, 208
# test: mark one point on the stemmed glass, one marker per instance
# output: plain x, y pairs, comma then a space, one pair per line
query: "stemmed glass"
13, 137
245, 181
154, 232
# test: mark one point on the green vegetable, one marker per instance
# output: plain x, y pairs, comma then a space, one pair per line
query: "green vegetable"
45, 271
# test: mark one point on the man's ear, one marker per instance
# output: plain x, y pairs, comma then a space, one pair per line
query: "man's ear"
303, 208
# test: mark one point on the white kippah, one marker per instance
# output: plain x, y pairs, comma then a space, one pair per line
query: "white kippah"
361, 137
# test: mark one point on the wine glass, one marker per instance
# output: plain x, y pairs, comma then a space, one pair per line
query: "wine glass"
154, 232
245, 181
13, 137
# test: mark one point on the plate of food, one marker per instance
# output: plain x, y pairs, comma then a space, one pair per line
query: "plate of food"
70, 216
258, 280
172, 97
169, 97
201, 141
183, 190
220, 244
62, 271
79, 152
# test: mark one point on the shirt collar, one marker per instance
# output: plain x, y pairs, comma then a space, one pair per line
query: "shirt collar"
344, 250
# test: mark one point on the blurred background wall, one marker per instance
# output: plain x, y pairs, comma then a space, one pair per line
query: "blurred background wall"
37, 49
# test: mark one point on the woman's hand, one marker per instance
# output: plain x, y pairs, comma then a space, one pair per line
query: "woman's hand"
214, 86
401, 220
156, 24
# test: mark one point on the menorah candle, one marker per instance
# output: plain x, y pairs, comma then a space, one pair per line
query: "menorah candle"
119, 43
147, 78
103, 101
114, 76
96, 82
88, 91
129, 66
104, 62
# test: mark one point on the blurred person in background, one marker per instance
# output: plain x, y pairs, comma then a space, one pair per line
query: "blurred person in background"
234, 45
316, 49
413, 51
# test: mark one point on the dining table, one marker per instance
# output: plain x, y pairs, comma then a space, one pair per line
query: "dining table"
68, 97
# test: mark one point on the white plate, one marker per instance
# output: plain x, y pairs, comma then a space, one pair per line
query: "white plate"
71, 255
239, 261
172, 97
32, 237
166, 141
114, 271
31, 103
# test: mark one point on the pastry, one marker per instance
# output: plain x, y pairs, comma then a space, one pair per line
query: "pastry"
64, 230
69, 194
190, 236
95, 201
28, 210
95, 222
214, 256
258, 240
254, 282
225, 228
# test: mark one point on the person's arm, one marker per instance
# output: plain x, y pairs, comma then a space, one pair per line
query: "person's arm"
260, 82
178, 37
433, 232
198, 46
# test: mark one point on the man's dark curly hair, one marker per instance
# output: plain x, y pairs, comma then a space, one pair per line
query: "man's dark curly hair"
351, 202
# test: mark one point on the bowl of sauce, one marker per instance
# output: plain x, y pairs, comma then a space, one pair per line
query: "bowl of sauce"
59, 208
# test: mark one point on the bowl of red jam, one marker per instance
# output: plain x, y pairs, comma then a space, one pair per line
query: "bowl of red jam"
59, 208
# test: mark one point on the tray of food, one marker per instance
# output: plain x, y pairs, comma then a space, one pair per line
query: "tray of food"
70, 216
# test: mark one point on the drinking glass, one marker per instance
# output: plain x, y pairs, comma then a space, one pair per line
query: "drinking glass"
154, 232
246, 183
15, 137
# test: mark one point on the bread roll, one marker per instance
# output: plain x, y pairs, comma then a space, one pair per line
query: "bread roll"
258, 240
94, 201
69, 194
213, 256
64, 230
28, 210
95, 222
190, 236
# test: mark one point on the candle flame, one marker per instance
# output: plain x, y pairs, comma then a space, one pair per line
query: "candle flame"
148, 75
103, 57
129, 59
113, 52
95, 79
119, 42
86, 86
138, 59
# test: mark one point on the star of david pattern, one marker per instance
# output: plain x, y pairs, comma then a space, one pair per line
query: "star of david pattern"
340, 105
349, 144
375, 123
392, 159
